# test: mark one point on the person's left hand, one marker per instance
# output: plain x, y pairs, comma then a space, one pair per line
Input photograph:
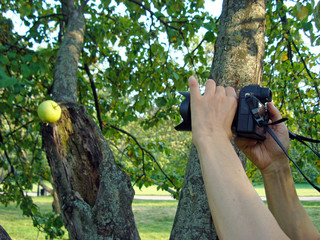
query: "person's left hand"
212, 114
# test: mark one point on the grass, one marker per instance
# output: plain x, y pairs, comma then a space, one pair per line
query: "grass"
150, 191
303, 190
154, 219
20, 227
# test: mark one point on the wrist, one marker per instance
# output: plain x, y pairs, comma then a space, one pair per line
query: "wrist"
210, 141
279, 186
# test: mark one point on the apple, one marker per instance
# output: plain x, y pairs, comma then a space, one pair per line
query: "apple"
49, 111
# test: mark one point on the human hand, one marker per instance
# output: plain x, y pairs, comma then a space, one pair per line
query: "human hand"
267, 155
212, 114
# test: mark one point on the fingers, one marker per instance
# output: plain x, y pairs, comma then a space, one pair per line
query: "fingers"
194, 88
210, 87
275, 114
231, 92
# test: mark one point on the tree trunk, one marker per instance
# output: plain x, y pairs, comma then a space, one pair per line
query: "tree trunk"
66, 67
238, 61
193, 219
3, 234
53, 192
95, 195
239, 48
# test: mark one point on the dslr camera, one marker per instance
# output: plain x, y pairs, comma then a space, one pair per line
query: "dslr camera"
250, 114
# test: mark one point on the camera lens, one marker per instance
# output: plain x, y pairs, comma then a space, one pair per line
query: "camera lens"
265, 95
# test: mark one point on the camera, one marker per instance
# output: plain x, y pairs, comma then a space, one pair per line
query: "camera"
250, 114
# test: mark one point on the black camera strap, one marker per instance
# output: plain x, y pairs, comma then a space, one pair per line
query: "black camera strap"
268, 129
252, 102
303, 140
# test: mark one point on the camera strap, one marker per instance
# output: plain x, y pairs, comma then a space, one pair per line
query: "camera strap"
252, 102
268, 129
303, 140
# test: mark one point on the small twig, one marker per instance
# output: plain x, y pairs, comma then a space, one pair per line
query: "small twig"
303, 61
95, 95
144, 150
83, 5
153, 14
17, 129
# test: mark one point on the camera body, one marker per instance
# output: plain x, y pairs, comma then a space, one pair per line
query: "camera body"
244, 122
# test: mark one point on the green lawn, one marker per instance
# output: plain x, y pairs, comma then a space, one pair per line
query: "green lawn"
20, 227
303, 190
154, 219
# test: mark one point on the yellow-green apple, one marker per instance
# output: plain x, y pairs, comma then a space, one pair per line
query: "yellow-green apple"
49, 111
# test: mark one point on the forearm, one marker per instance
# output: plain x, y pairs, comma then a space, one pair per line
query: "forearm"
284, 204
233, 201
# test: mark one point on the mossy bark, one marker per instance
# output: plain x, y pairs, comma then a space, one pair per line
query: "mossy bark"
238, 61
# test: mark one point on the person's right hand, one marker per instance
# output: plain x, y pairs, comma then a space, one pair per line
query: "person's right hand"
267, 155
212, 113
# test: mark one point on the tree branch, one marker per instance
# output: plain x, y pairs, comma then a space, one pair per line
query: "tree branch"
17, 129
95, 95
45, 187
66, 68
153, 14
83, 5
146, 151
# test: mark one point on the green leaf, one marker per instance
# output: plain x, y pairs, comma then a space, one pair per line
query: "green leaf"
6, 81
302, 11
307, 26
25, 70
3, 59
209, 36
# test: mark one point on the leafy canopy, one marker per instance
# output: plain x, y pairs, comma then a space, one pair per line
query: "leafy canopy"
136, 56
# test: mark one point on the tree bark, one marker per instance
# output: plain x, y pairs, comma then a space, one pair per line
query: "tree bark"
95, 195
66, 68
53, 192
238, 61
239, 48
3, 234
193, 219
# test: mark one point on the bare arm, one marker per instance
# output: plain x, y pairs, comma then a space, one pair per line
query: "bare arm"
281, 194
237, 210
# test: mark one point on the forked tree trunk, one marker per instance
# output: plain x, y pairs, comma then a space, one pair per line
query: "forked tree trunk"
238, 60
95, 195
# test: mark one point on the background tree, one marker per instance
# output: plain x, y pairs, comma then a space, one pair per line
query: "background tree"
237, 62
123, 69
